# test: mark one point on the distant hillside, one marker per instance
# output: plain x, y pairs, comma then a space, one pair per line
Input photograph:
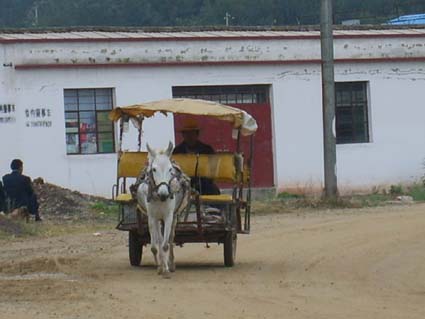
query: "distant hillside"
48, 13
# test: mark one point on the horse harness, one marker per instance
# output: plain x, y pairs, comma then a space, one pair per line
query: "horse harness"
146, 177
153, 187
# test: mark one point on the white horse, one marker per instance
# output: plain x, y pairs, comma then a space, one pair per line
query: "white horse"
165, 193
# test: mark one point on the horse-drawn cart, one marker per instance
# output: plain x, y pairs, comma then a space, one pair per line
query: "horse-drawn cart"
208, 218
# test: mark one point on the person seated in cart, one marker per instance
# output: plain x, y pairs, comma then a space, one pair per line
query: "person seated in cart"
192, 145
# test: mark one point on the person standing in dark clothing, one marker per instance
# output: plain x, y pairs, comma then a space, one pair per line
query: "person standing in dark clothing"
192, 145
18, 189
2, 199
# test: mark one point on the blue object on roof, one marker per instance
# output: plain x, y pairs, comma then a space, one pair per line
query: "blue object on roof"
409, 19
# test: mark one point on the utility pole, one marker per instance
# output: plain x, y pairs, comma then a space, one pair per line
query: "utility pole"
328, 96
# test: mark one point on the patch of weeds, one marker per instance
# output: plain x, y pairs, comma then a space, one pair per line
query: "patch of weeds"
3, 235
107, 209
11, 228
289, 205
286, 195
371, 200
423, 176
417, 191
396, 190
328, 203
265, 207
32, 229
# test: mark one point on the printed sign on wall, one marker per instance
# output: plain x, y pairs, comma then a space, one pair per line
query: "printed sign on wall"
40, 117
7, 113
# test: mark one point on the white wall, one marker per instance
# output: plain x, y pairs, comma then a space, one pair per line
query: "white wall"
298, 132
43, 149
397, 115
397, 149
208, 51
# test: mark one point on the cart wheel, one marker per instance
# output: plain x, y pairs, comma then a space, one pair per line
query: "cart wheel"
135, 248
230, 240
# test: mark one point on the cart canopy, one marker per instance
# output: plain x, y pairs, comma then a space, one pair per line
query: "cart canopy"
239, 118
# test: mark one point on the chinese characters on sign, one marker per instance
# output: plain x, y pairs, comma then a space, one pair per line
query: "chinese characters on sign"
7, 113
40, 117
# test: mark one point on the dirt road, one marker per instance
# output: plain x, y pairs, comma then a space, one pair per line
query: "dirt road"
367, 263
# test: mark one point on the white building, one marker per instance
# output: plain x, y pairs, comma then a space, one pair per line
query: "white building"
47, 77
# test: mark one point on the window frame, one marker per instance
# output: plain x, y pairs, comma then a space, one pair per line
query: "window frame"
96, 111
353, 107
209, 92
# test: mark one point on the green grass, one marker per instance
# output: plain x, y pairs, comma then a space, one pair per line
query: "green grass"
102, 216
371, 200
286, 195
417, 191
20, 229
105, 209
397, 190
356, 201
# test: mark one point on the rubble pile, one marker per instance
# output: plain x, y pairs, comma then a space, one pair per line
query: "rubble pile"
58, 201
60, 206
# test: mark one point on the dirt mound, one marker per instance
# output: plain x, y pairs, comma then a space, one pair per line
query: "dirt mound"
58, 201
59, 206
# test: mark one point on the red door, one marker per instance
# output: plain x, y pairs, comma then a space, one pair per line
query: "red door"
218, 134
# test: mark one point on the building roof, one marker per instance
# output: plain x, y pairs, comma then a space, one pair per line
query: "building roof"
199, 34
408, 19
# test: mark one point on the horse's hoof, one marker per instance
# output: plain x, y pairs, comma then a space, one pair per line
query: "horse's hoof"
160, 271
172, 267
166, 275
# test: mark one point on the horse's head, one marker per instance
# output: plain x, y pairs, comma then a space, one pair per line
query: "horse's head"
161, 170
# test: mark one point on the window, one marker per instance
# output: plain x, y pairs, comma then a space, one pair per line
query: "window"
246, 94
352, 123
88, 128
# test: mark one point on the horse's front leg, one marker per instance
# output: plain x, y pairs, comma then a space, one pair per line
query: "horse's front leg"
171, 263
166, 245
154, 232
161, 260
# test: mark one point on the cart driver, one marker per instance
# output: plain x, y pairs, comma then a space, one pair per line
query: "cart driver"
192, 145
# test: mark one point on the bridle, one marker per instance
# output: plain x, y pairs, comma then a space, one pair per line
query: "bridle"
153, 187
182, 179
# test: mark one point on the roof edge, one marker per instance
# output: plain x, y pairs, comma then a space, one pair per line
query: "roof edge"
169, 29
